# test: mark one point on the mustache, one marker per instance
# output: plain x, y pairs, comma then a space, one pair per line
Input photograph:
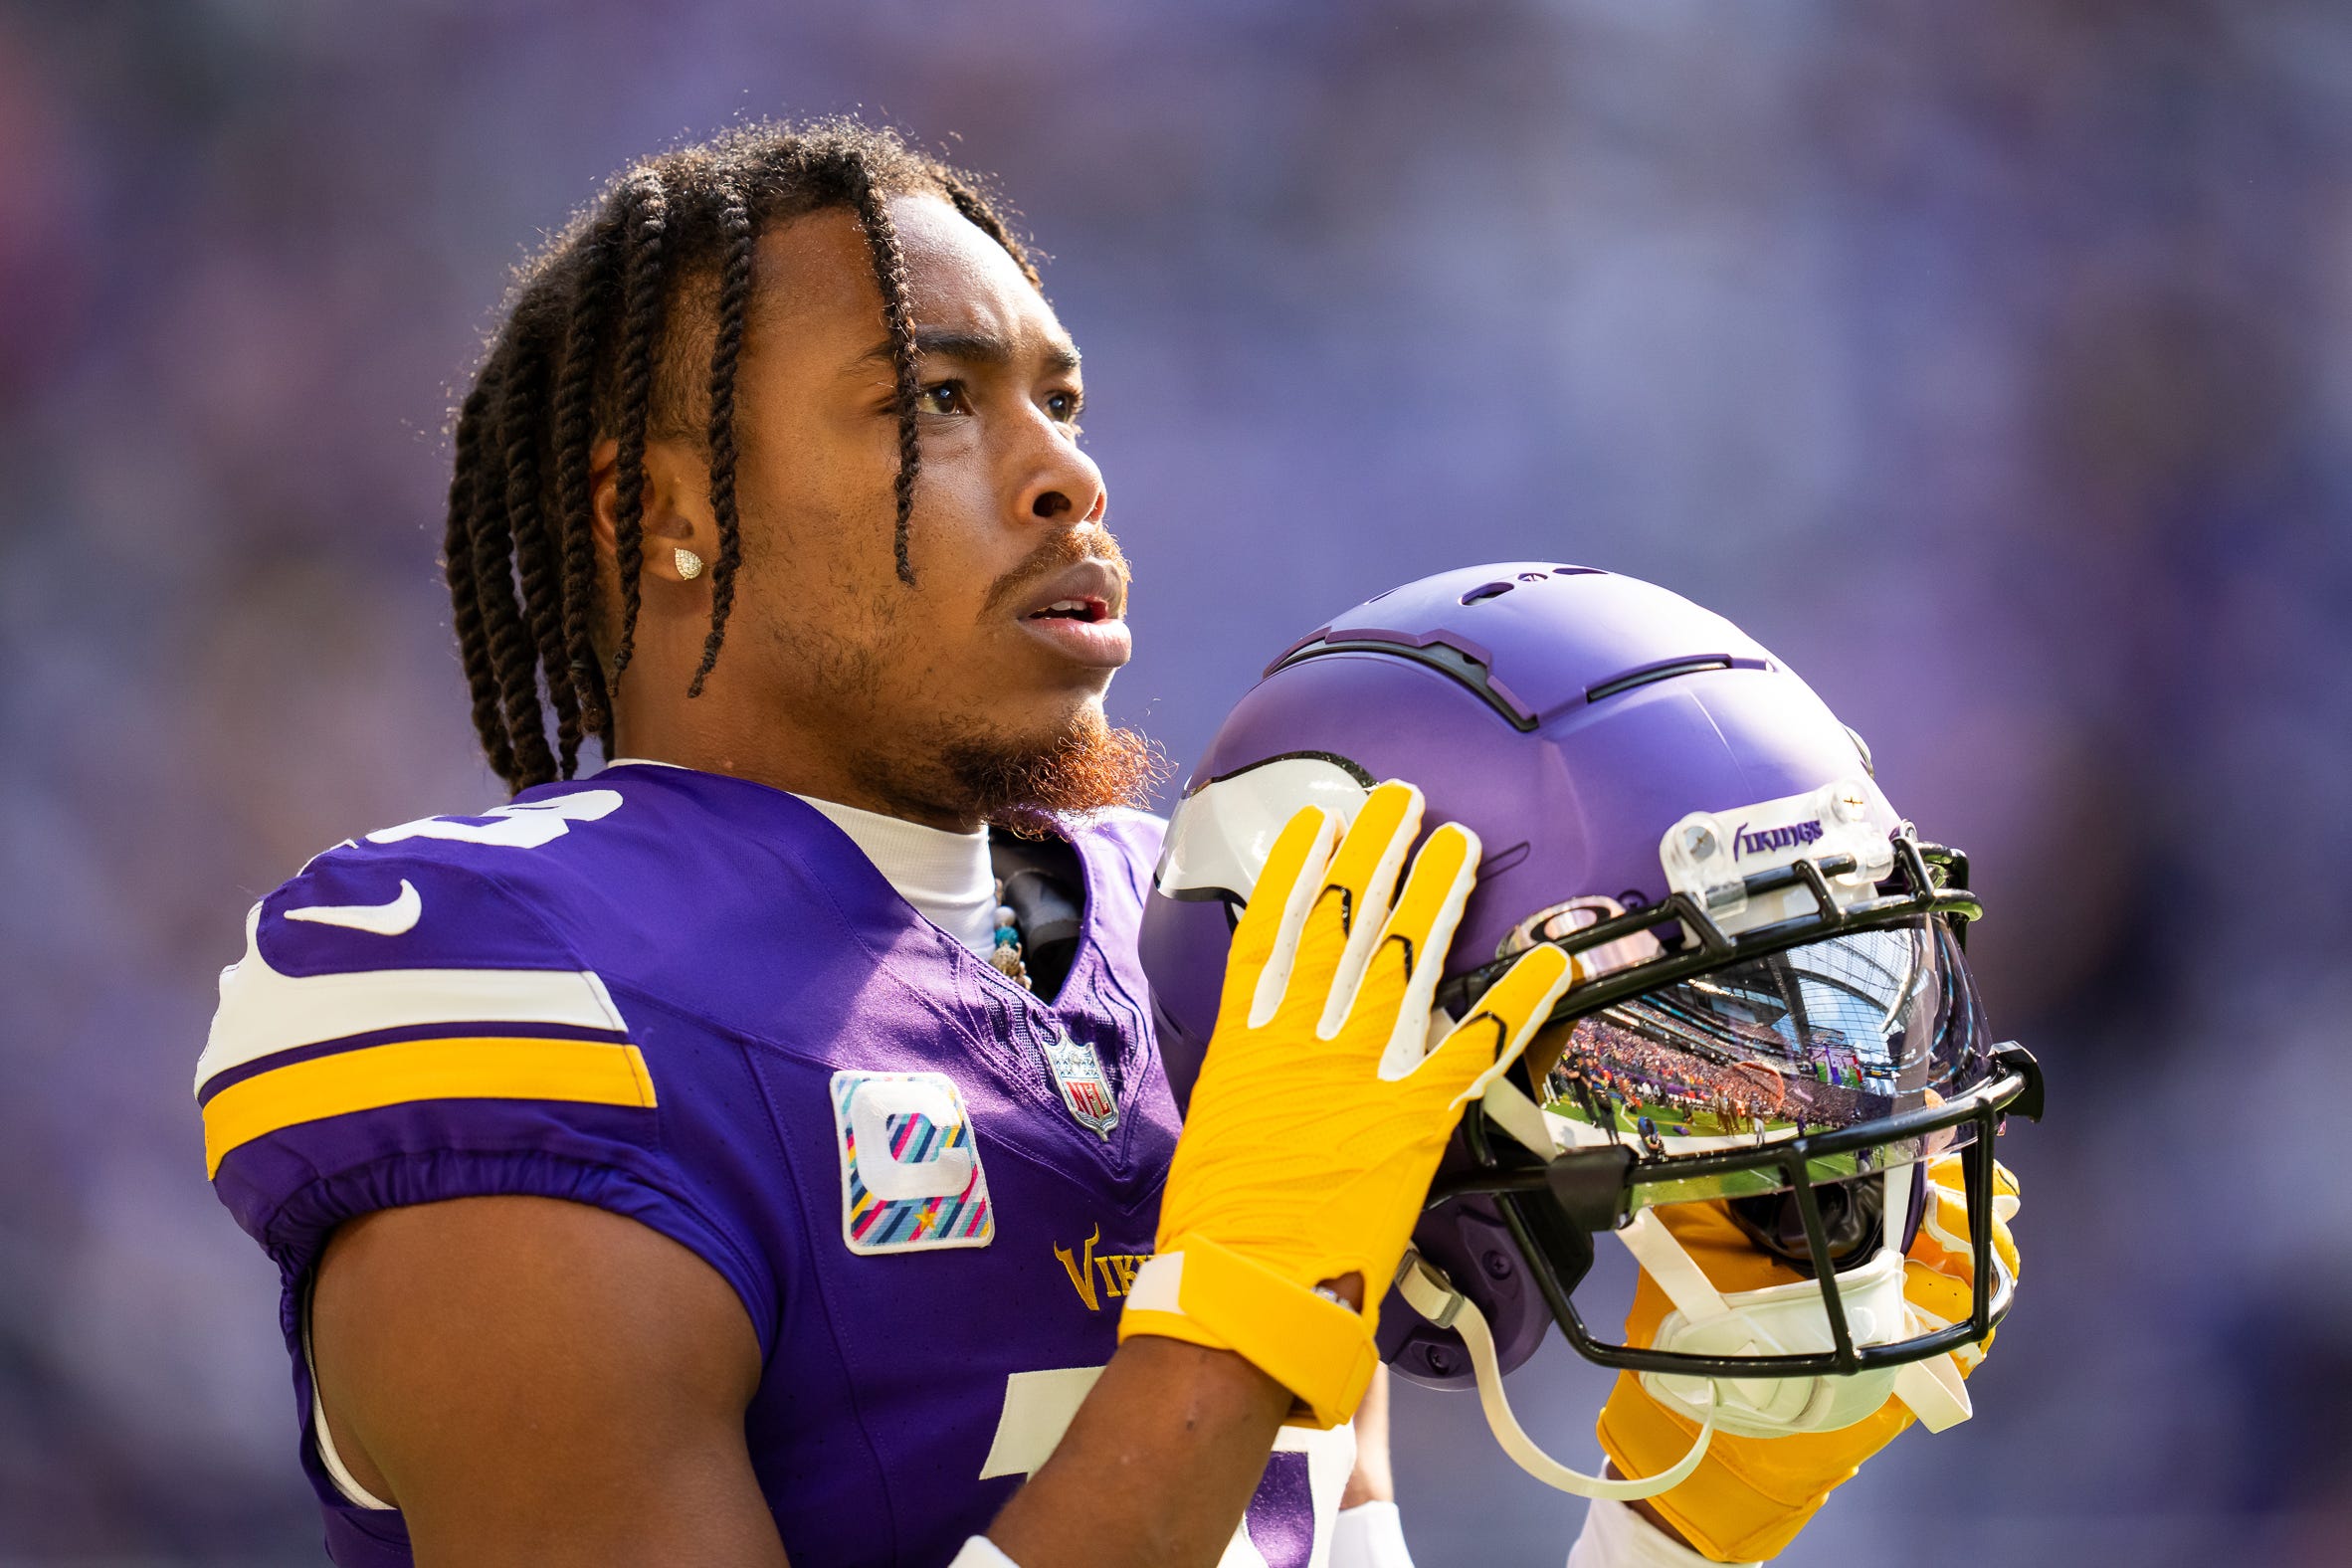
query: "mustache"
1055, 552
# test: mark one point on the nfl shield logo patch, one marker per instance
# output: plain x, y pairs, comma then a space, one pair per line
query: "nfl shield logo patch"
910, 1176
1079, 1073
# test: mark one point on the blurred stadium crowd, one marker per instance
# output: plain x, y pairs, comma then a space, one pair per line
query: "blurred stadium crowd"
1993, 363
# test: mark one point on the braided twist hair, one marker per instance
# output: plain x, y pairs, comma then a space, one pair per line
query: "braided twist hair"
595, 343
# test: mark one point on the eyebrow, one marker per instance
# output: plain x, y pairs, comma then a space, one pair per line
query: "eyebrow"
980, 348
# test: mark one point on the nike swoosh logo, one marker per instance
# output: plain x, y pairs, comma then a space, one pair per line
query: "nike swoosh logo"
383, 919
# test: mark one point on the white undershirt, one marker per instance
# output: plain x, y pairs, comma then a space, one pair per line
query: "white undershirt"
945, 876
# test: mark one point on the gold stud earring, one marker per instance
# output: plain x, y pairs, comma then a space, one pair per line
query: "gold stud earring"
689, 565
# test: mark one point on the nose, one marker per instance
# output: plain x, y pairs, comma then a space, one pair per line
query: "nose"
1063, 485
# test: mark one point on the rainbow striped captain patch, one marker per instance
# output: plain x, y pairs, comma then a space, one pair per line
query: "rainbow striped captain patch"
910, 1175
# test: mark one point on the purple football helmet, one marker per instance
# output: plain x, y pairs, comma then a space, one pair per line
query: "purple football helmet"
1771, 999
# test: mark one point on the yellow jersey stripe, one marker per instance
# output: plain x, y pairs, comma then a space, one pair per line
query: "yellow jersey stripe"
598, 1071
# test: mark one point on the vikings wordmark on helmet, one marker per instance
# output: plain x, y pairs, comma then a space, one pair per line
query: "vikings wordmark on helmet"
1742, 841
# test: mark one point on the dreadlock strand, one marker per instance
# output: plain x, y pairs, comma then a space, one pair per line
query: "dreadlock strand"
649, 208
734, 294
889, 273
513, 660
536, 551
575, 437
456, 565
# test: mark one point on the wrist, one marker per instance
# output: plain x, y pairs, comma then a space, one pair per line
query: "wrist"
1348, 1291
1166, 1447
1215, 1384
1312, 1342
1648, 1510
1627, 1535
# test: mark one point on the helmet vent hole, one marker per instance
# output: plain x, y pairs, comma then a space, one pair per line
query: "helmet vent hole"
1493, 590
1659, 672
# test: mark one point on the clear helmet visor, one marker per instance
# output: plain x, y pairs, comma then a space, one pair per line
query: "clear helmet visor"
1851, 1028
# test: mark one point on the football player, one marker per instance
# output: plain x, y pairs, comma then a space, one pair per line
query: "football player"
757, 1150
751, 1151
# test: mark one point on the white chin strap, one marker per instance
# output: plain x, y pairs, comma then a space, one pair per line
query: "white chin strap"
1792, 1319
1782, 1319
1433, 1295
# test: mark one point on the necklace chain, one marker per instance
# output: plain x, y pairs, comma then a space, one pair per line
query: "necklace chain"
1006, 954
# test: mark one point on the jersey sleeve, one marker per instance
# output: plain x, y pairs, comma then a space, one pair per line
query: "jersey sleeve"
404, 1030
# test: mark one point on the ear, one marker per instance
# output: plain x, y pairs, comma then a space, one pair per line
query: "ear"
678, 511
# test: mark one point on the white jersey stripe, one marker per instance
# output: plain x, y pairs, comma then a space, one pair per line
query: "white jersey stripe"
264, 1011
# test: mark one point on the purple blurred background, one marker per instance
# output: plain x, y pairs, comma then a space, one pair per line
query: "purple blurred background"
1993, 363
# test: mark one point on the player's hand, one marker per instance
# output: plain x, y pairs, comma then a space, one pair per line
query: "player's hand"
1317, 1123
1751, 1497
1938, 1277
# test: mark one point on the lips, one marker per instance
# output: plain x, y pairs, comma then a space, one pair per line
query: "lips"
1072, 610
1079, 612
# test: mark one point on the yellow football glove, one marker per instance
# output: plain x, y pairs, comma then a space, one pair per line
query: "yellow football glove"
1750, 1495
1317, 1123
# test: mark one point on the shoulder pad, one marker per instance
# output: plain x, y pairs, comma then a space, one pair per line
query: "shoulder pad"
376, 945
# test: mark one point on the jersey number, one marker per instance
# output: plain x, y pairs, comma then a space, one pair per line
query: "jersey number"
525, 825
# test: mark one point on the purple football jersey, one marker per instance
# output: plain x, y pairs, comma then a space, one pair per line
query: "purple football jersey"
691, 1000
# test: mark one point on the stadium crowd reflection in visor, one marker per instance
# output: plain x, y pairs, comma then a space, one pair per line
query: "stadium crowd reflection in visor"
1851, 1028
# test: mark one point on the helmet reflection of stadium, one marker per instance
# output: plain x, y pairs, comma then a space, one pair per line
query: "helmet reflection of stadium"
1731, 1077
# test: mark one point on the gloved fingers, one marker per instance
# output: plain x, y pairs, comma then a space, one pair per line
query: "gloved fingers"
1347, 919
1266, 939
1948, 1298
2005, 1246
1943, 1246
1943, 1241
2008, 1197
1947, 1172
1484, 1045
1390, 1005
1940, 1298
